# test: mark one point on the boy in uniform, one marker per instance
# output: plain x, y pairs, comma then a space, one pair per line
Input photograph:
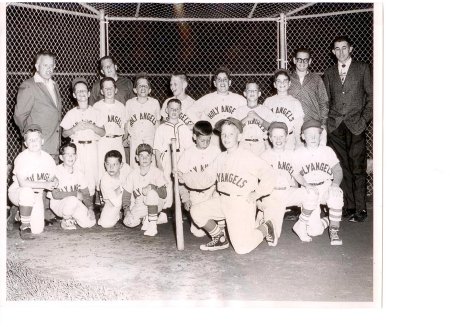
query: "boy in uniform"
82, 124
178, 85
34, 171
286, 108
197, 158
241, 178
71, 200
112, 117
111, 186
256, 119
320, 168
171, 128
142, 116
146, 187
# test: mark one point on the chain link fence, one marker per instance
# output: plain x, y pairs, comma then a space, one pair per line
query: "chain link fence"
199, 43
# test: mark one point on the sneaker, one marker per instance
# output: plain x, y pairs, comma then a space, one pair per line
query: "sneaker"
272, 237
358, 217
145, 223
25, 232
68, 224
334, 237
162, 218
152, 229
219, 242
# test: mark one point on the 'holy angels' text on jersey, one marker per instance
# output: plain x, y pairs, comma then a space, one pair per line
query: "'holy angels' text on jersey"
313, 166
231, 178
143, 116
215, 111
38, 177
200, 169
69, 188
285, 112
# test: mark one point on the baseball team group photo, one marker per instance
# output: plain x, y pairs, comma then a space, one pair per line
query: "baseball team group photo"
191, 160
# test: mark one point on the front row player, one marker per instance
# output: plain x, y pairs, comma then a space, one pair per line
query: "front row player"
237, 172
146, 186
320, 167
65, 200
34, 171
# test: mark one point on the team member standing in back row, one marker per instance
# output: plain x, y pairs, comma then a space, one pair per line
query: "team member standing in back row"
286, 108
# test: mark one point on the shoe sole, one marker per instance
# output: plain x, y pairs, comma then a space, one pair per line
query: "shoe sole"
336, 242
216, 248
353, 220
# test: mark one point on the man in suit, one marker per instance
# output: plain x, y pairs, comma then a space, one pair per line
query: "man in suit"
39, 102
349, 87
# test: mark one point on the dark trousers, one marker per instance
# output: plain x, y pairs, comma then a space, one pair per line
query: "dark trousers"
351, 152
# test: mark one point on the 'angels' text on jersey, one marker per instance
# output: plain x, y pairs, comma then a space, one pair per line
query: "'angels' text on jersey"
283, 165
284, 111
313, 166
215, 111
231, 178
142, 116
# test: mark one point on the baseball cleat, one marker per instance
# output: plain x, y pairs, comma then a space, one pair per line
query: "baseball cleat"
68, 224
272, 237
334, 237
219, 242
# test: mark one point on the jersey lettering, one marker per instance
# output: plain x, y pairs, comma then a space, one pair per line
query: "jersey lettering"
69, 188
231, 178
84, 120
148, 116
185, 119
286, 166
215, 111
115, 119
285, 112
316, 166
39, 177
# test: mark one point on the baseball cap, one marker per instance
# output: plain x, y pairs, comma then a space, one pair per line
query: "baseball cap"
144, 147
311, 123
278, 124
32, 127
232, 120
77, 80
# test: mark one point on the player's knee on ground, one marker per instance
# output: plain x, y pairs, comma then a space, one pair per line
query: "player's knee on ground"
82, 217
131, 220
314, 226
27, 197
70, 205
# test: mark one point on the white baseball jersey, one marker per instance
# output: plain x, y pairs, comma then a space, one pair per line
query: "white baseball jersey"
214, 107
315, 164
166, 131
69, 182
283, 163
286, 109
112, 116
252, 128
186, 115
136, 182
75, 116
112, 188
33, 166
195, 159
142, 119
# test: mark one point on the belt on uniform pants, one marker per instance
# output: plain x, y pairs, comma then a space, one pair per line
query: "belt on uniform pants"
316, 184
113, 136
228, 194
84, 142
252, 140
290, 132
280, 188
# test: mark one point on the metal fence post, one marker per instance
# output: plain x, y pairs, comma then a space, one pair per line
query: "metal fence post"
282, 42
103, 50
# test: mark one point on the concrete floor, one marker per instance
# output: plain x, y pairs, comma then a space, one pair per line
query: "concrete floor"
144, 268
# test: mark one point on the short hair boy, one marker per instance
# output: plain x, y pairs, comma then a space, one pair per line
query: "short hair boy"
34, 172
142, 115
147, 185
111, 186
65, 199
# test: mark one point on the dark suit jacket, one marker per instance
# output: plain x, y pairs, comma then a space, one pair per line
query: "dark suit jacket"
351, 102
35, 106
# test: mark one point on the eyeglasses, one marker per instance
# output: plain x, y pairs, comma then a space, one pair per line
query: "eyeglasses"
304, 61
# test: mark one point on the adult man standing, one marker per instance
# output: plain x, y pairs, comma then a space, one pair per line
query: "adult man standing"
108, 68
310, 90
349, 87
39, 102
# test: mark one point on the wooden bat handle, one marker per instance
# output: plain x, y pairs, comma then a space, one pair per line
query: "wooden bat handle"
178, 214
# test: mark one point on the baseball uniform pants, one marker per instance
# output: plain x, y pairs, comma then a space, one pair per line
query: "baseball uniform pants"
72, 207
110, 215
87, 163
140, 209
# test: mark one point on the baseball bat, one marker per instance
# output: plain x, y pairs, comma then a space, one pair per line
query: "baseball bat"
178, 214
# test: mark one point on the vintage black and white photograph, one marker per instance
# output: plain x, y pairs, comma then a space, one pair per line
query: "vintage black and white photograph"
207, 153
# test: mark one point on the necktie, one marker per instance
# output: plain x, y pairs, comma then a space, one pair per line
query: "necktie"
342, 74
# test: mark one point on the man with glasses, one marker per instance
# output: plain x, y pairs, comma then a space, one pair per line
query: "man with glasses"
310, 90
349, 88
218, 105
